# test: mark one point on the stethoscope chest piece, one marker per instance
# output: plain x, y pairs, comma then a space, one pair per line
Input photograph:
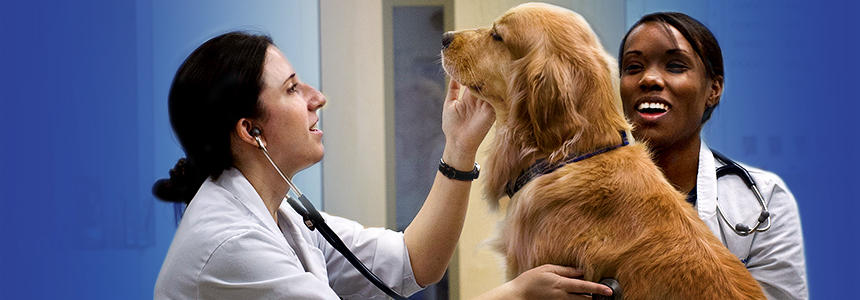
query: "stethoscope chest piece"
763, 221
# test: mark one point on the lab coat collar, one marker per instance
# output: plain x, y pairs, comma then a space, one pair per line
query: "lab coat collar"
234, 181
706, 186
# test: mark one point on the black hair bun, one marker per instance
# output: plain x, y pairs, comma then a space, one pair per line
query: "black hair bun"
185, 179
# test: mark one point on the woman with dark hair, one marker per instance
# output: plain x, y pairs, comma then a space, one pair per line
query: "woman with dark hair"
671, 80
239, 240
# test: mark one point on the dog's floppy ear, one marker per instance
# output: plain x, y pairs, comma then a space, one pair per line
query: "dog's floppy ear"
543, 88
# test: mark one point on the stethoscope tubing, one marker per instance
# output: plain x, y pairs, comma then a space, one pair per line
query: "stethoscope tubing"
733, 168
314, 220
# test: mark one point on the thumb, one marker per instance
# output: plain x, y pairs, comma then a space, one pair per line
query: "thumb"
453, 91
563, 271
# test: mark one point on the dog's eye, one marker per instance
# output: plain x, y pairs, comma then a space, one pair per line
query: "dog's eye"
496, 36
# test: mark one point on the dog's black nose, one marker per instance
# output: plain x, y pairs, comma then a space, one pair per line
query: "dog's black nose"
446, 39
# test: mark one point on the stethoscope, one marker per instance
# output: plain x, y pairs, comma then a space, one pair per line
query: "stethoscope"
733, 168
313, 220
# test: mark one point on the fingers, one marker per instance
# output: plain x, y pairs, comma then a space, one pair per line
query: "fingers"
581, 286
570, 284
453, 90
467, 96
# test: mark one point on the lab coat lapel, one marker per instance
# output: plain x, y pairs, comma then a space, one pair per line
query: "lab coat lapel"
244, 192
292, 228
707, 204
706, 188
293, 240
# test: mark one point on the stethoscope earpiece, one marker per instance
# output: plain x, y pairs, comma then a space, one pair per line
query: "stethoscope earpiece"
255, 132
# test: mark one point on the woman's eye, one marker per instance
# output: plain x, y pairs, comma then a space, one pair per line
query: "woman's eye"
293, 88
676, 68
632, 69
496, 36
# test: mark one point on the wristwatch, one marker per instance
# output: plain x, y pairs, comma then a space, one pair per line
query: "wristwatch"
455, 174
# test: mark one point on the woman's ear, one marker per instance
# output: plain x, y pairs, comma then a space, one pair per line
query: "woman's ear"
716, 92
246, 130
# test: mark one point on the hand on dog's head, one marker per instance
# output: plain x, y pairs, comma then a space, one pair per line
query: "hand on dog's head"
549, 80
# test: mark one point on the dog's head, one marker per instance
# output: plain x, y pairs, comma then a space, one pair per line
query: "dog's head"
550, 81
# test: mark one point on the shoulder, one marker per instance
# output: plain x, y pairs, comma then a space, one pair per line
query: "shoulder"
200, 250
771, 185
211, 221
763, 176
233, 255
247, 254
251, 265
214, 216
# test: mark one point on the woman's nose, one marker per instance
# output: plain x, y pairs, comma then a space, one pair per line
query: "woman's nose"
651, 81
317, 100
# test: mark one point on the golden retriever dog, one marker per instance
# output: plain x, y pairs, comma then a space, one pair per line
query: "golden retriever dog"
554, 90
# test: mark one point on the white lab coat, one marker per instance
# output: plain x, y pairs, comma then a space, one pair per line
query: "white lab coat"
775, 257
228, 246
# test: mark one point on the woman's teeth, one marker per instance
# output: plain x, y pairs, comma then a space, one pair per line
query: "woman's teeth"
652, 107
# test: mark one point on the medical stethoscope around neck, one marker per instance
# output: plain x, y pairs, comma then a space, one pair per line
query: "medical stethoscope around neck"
313, 220
731, 167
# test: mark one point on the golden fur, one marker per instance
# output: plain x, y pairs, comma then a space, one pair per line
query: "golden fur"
554, 90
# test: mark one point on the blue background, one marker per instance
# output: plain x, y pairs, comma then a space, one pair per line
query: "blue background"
85, 130
789, 107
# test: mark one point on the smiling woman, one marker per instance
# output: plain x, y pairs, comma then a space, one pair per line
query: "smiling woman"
289, 116
671, 80
668, 82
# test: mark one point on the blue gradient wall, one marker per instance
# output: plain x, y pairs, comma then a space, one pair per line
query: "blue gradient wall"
85, 131
789, 107
84, 96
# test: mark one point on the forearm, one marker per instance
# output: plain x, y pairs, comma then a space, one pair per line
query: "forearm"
502, 292
433, 233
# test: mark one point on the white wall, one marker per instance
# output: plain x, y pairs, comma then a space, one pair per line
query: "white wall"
355, 167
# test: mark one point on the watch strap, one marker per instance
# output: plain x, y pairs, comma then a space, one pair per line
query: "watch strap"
455, 174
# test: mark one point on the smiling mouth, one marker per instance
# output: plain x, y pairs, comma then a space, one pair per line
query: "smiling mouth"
314, 128
651, 110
